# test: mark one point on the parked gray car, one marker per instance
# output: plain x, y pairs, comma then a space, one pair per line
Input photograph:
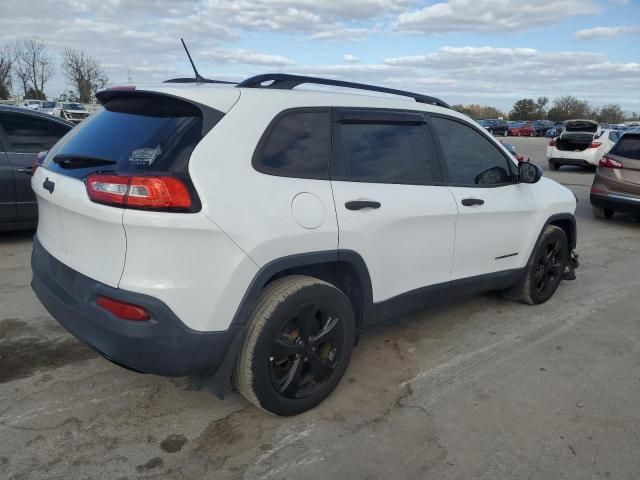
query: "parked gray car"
23, 134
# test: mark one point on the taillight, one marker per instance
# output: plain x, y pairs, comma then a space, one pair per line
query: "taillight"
123, 310
594, 144
38, 161
150, 192
552, 142
608, 162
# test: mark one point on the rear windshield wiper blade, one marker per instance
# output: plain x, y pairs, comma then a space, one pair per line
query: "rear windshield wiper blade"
79, 161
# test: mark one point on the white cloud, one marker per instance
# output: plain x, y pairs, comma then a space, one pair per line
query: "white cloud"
239, 55
130, 36
490, 16
352, 34
606, 32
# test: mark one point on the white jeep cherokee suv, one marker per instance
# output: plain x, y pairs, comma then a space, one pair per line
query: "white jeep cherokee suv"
254, 231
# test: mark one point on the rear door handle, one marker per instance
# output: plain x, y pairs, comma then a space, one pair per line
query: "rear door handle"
360, 204
468, 202
28, 170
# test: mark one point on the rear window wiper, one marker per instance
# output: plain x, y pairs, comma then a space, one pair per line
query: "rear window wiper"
80, 161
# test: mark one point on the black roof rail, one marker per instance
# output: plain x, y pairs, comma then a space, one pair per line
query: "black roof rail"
197, 80
285, 81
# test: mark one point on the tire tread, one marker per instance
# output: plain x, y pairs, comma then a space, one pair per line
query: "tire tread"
273, 295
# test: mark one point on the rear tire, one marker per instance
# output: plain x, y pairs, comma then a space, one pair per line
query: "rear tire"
554, 165
544, 270
298, 345
602, 213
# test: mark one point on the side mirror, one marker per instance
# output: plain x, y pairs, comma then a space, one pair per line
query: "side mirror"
529, 172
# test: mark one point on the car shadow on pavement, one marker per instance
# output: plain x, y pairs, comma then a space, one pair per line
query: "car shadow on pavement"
16, 236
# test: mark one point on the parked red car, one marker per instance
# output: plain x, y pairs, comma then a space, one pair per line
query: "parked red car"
522, 130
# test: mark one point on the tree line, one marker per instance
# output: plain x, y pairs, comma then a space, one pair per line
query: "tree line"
28, 65
561, 109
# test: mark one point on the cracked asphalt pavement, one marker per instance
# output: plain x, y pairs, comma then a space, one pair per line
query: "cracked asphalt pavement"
485, 388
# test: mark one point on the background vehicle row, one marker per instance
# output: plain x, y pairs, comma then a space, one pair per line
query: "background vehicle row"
23, 134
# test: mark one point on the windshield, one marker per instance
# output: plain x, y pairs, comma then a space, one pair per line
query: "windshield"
48, 104
72, 106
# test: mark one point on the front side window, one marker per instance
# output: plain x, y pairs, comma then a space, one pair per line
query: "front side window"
31, 134
470, 157
297, 145
385, 153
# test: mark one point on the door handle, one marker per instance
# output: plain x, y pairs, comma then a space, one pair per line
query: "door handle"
28, 170
360, 204
468, 202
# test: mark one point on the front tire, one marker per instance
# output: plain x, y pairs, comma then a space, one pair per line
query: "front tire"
602, 213
545, 268
554, 165
297, 347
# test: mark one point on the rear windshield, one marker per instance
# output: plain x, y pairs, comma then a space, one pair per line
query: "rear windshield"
140, 133
628, 146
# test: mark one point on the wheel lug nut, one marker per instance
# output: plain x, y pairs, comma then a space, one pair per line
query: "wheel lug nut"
271, 359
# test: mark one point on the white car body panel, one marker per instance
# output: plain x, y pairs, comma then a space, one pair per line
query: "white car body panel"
493, 236
83, 235
187, 262
408, 242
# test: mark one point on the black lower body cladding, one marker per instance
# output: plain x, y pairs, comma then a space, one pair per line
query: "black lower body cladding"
616, 203
162, 345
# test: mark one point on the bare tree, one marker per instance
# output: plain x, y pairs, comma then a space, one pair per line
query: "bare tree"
541, 105
6, 63
34, 65
84, 71
611, 113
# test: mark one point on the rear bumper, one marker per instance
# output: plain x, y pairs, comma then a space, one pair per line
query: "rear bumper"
162, 346
573, 161
617, 202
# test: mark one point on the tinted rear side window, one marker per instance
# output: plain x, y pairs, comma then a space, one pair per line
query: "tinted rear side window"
628, 146
31, 134
140, 133
471, 158
297, 145
384, 153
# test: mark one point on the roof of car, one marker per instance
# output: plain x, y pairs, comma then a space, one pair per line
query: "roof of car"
34, 113
223, 97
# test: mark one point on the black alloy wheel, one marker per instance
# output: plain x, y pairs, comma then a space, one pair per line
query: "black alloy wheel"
304, 355
298, 345
550, 264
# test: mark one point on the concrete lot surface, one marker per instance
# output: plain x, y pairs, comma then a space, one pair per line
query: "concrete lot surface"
484, 389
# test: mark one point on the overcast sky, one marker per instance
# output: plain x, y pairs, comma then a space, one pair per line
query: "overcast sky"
464, 51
